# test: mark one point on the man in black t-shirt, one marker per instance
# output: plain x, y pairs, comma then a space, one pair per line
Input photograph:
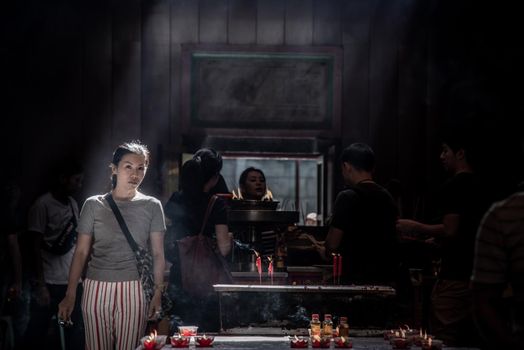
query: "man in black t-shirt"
463, 201
362, 228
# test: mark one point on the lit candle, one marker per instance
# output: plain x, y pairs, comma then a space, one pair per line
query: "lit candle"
299, 342
320, 342
343, 342
432, 344
150, 341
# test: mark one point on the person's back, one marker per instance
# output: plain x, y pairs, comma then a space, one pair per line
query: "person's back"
367, 215
498, 275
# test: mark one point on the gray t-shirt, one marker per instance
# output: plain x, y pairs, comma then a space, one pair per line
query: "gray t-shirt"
112, 259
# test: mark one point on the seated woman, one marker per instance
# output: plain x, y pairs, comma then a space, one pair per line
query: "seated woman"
185, 212
252, 184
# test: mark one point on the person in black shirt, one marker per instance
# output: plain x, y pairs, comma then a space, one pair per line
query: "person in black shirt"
362, 228
463, 201
185, 212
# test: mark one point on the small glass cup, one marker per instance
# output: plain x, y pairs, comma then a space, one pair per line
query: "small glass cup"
188, 331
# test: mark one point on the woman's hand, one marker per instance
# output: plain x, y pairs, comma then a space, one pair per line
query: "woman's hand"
155, 306
66, 306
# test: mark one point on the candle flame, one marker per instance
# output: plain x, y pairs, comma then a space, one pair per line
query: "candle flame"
296, 338
343, 339
397, 334
237, 195
268, 196
256, 253
429, 342
402, 333
152, 337
425, 335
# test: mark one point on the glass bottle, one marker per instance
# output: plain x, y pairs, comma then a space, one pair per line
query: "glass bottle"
327, 326
343, 327
281, 253
315, 325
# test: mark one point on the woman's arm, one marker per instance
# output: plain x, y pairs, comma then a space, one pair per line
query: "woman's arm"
223, 239
159, 265
83, 248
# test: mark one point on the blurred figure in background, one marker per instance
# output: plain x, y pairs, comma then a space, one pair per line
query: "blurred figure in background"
185, 212
10, 266
463, 202
362, 227
52, 224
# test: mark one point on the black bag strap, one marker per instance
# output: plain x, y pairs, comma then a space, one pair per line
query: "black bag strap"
73, 219
210, 205
121, 222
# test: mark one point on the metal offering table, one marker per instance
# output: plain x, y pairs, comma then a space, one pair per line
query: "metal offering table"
349, 289
260, 307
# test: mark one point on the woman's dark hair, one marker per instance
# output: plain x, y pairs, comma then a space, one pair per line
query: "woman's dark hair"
210, 162
243, 177
359, 155
135, 147
205, 164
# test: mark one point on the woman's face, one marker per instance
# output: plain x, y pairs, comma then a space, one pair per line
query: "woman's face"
130, 171
254, 187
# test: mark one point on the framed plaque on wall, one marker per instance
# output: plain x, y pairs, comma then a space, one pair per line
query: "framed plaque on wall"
252, 90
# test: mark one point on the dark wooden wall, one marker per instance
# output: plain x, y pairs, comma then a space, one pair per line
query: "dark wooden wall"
87, 75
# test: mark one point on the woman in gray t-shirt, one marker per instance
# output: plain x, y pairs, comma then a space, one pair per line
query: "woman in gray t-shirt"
114, 305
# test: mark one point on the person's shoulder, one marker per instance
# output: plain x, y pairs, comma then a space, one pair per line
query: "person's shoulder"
512, 206
97, 198
43, 199
348, 194
94, 201
141, 197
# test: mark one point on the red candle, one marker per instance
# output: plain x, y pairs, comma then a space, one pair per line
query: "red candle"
299, 342
400, 343
335, 268
180, 341
342, 342
270, 268
204, 341
149, 345
150, 341
339, 272
259, 267
320, 342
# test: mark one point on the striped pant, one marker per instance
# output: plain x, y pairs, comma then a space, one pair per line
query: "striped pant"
114, 314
